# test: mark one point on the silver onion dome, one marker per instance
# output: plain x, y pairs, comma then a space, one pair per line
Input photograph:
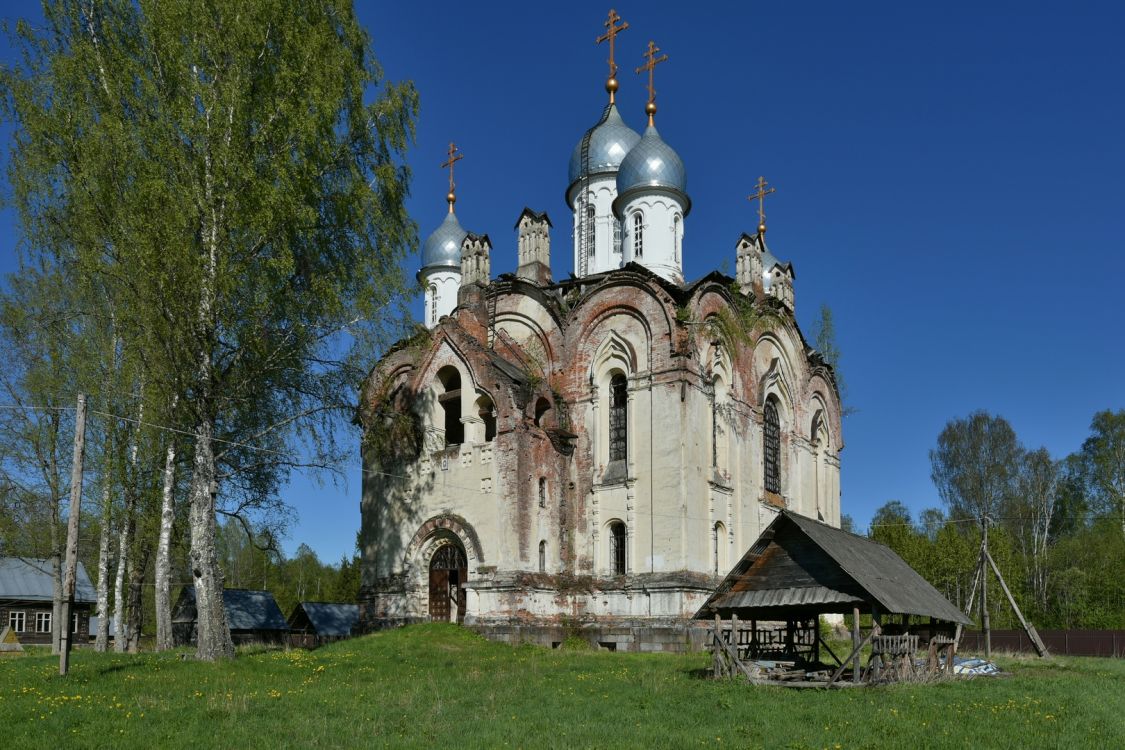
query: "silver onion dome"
610, 140
442, 248
652, 163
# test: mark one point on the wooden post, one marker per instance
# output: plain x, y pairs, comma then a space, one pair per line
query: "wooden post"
1028, 628
70, 573
986, 622
855, 644
754, 653
734, 632
876, 628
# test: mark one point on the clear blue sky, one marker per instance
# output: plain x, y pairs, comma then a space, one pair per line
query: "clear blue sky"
950, 176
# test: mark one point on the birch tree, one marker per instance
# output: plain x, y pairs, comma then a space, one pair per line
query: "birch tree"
234, 173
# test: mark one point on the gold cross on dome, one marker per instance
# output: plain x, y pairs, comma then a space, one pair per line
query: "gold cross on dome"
760, 196
454, 157
650, 66
612, 30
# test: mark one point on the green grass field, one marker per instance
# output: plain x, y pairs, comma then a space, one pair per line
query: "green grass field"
439, 685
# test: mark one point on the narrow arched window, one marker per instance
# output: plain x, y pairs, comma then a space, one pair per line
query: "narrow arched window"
591, 214
617, 547
450, 400
676, 235
433, 304
718, 539
542, 492
618, 418
638, 235
543, 556
771, 441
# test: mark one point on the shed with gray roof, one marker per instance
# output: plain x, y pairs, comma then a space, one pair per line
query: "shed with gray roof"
252, 616
316, 623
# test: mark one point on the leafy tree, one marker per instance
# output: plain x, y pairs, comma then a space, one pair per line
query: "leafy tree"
975, 466
824, 334
232, 174
1103, 458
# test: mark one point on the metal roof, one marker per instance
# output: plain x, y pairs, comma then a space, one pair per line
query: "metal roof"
29, 579
831, 571
331, 619
246, 610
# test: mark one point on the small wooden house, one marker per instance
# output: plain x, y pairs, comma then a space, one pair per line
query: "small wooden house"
313, 624
252, 616
27, 593
768, 606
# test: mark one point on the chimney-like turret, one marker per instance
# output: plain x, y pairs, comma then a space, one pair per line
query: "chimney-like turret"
534, 247
476, 271
748, 265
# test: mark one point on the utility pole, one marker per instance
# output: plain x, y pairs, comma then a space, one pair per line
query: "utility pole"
71, 573
986, 622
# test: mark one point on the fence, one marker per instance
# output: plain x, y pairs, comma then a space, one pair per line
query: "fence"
1058, 642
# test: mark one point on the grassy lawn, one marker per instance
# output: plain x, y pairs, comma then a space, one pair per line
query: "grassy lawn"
441, 685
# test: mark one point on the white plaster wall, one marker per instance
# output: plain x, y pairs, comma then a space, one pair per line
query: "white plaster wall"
662, 235
601, 190
441, 294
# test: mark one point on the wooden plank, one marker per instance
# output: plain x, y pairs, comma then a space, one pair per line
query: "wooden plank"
854, 654
1040, 648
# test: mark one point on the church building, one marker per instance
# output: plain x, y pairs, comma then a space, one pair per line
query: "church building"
594, 452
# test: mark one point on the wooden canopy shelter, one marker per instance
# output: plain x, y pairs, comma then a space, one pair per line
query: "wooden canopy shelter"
799, 569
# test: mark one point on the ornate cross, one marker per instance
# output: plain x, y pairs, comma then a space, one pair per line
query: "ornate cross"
650, 66
454, 157
612, 30
760, 196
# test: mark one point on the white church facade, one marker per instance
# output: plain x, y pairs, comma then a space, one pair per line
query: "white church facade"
595, 452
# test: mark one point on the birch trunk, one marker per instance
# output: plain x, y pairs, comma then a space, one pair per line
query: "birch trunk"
163, 554
101, 640
119, 633
134, 609
213, 633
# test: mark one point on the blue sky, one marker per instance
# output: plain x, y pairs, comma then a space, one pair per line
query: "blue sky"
950, 177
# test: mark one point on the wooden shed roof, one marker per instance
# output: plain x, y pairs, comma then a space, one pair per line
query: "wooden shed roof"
799, 567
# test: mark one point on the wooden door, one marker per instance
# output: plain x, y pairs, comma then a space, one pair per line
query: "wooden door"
447, 572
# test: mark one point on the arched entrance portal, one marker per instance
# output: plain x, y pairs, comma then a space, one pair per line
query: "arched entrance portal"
447, 572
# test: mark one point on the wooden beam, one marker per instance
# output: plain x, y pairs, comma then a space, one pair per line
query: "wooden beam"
1028, 628
854, 655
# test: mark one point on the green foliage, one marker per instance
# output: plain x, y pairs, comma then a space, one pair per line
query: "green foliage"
975, 465
824, 336
440, 685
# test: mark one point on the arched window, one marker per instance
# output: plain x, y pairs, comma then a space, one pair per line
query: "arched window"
617, 547
450, 400
542, 406
618, 418
718, 543
487, 413
543, 556
771, 441
589, 229
638, 235
433, 304
676, 235
542, 492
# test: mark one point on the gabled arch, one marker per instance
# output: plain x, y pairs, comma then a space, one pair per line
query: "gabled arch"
615, 353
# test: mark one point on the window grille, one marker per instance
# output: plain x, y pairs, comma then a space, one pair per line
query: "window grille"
772, 442
676, 235
618, 418
542, 492
617, 547
638, 235
433, 304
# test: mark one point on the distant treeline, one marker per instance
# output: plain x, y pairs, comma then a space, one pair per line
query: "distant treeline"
1056, 528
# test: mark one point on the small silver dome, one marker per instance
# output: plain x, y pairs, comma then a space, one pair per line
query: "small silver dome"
442, 249
652, 163
610, 140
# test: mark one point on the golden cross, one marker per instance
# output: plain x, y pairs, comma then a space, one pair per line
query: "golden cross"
612, 30
454, 157
761, 198
650, 66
